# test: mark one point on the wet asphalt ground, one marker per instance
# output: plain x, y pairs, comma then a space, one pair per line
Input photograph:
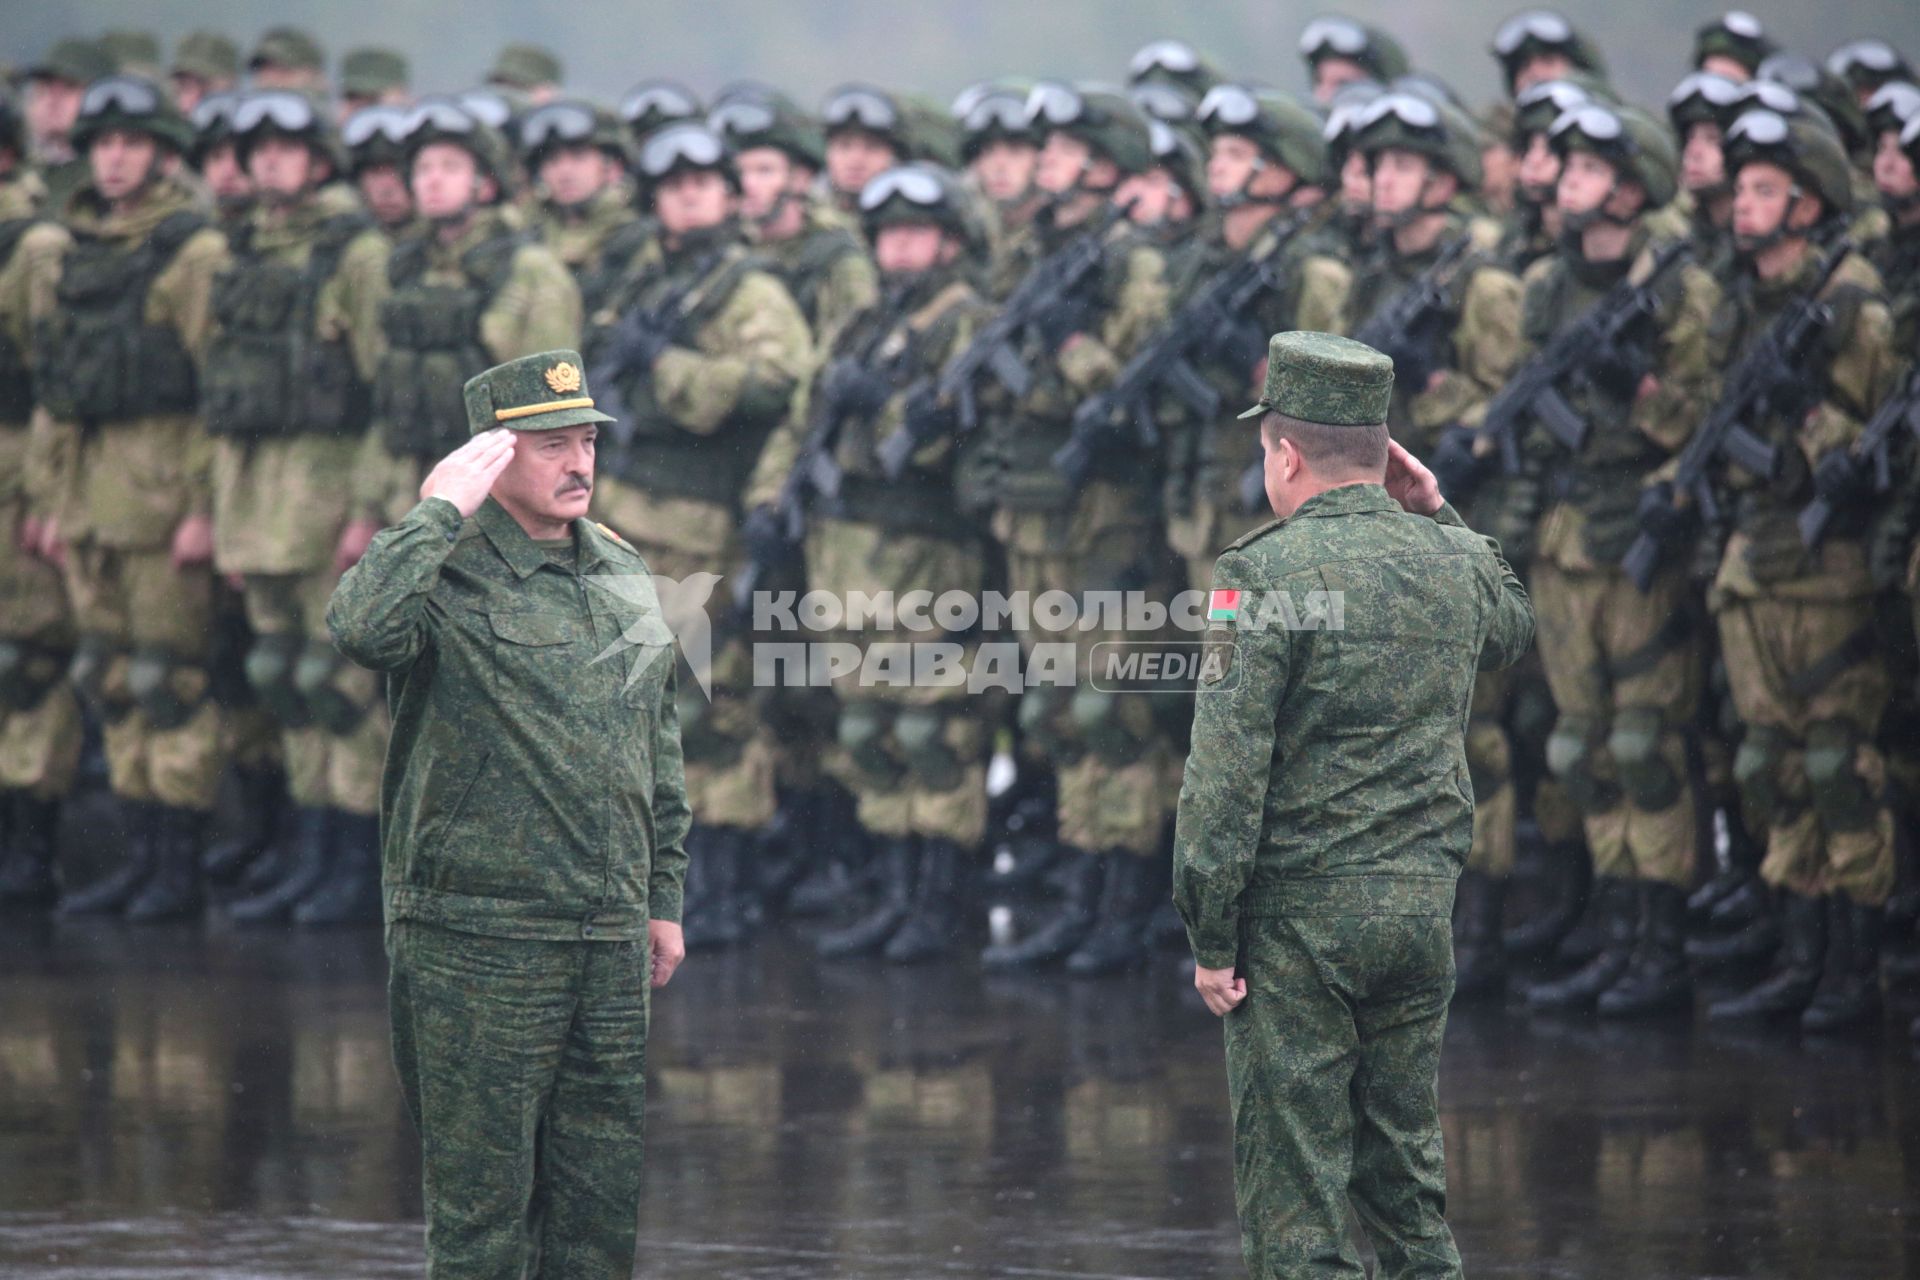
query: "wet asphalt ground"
192, 1101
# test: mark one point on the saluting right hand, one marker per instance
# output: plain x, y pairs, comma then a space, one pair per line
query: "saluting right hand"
465, 476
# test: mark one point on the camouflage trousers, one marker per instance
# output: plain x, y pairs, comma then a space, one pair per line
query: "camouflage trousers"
1333, 1073
914, 756
1810, 688
1111, 752
731, 758
1625, 672
334, 723
144, 630
523, 1065
39, 718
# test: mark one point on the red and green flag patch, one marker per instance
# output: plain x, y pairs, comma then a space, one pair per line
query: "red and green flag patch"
1224, 606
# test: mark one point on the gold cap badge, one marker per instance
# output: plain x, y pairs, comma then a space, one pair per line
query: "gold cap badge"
563, 378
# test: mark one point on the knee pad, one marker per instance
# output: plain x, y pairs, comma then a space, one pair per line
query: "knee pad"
87, 673
1041, 716
270, 670
167, 690
1645, 776
1841, 796
27, 673
862, 729
1100, 726
327, 703
1757, 764
1571, 756
922, 735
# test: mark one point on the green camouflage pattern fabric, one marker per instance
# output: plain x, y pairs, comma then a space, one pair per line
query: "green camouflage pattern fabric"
368, 73
541, 392
534, 785
1329, 765
1323, 377
523, 1066
1332, 1069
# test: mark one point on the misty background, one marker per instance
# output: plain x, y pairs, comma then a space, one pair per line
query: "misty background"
939, 46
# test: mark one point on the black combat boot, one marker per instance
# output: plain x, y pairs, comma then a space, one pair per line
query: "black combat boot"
309, 863
263, 806
1848, 996
175, 891
1119, 938
1657, 981
1479, 954
1753, 941
351, 892
835, 858
1539, 934
138, 860
1789, 988
941, 903
1616, 910
1743, 906
1081, 875
718, 922
26, 878
899, 859
1743, 868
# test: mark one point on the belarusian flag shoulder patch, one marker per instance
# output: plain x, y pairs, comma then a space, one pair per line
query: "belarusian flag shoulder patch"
1223, 606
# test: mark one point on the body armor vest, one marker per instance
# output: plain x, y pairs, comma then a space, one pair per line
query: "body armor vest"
267, 372
433, 345
99, 359
16, 381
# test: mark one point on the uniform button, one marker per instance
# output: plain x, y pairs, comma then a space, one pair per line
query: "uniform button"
586, 931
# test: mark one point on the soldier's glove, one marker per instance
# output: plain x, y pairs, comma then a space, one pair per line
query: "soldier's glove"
762, 534
1659, 518
638, 340
1844, 480
853, 391
1456, 467
1061, 321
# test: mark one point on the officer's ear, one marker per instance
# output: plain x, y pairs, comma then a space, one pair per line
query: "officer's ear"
486, 188
1805, 209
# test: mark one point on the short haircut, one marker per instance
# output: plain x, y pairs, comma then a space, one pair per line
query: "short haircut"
1331, 450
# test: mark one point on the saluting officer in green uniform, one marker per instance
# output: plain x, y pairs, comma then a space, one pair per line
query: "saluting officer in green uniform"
533, 822
1325, 815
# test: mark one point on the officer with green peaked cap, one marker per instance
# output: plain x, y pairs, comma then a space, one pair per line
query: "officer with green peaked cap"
543, 392
534, 819
1327, 379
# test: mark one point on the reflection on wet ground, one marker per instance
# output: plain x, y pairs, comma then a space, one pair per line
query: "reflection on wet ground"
208, 1104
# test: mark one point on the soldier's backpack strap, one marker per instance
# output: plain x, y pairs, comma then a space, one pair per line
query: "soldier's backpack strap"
408, 261
490, 262
330, 245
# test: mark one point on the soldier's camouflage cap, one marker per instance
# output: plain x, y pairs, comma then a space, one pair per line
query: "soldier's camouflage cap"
208, 55
524, 66
534, 393
370, 72
80, 61
288, 47
1320, 377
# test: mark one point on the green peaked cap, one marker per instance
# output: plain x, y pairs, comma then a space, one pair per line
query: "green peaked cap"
1320, 377
534, 393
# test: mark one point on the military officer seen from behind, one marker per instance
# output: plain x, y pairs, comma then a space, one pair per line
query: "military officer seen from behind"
1326, 813
533, 819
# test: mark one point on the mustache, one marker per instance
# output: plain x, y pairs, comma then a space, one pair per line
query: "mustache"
574, 484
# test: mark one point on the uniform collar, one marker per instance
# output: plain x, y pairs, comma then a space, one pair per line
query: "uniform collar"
511, 541
1347, 500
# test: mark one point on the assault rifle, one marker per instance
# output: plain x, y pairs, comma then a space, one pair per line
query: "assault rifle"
1611, 333
1212, 316
635, 341
1406, 329
1773, 379
1901, 409
995, 349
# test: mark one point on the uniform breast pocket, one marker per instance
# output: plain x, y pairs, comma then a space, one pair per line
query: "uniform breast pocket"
539, 659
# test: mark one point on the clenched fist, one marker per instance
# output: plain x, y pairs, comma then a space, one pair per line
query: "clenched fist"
465, 476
